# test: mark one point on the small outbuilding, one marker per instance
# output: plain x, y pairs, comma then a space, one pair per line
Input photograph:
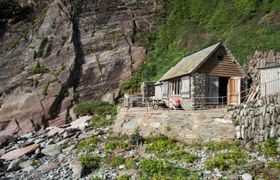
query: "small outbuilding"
208, 77
270, 80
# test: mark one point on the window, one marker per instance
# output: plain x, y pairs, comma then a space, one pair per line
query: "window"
176, 87
220, 56
185, 90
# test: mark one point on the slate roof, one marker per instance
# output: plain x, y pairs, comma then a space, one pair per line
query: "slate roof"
190, 63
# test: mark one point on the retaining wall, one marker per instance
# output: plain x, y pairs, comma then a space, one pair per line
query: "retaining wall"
257, 120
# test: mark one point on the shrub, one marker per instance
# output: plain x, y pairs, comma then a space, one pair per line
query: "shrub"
183, 156
95, 108
123, 178
90, 161
136, 139
156, 168
269, 148
117, 143
88, 144
98, 122
130, 163
227, 161
38, 69
217, 146
113, 161
160, 144
42, 48
275, 165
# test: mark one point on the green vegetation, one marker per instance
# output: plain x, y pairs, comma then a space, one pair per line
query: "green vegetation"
88, 144
35, 163
39, 69
160, 144
43, 48
130, 163
117, 143
275, 165
227, 160
182, 156
164, 147
99, 121
99, 108
218, 146
113, 161
269, 148
244, 25
161, 170
123, 178
90, 161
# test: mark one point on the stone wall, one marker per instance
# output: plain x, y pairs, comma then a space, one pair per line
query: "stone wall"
257, 120
198, 90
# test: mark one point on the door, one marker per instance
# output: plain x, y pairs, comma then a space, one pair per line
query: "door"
212, 90
234, 88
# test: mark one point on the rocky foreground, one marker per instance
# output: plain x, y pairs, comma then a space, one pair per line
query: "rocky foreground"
88, 149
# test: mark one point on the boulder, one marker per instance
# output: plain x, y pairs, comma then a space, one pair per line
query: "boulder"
77, 169
247, 177
51, 150
80, 123
19, 152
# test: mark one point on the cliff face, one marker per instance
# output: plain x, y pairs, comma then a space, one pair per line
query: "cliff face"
63, 51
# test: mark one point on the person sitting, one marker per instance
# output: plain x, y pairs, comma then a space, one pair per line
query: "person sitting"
176, 104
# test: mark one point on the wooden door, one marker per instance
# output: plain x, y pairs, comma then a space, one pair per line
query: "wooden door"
212, 90
234, 88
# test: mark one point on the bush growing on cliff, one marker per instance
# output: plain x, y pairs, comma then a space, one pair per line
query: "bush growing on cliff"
39, 69
95, 108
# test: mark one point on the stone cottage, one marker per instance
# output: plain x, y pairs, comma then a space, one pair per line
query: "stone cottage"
208, 77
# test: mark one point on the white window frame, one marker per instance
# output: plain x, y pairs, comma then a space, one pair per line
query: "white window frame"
186, 87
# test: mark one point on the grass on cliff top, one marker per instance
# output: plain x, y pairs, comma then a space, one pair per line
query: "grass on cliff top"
244, 25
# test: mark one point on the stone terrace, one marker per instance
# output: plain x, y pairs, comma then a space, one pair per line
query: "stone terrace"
203, 125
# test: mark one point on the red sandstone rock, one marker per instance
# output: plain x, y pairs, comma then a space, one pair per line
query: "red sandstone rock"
19, 152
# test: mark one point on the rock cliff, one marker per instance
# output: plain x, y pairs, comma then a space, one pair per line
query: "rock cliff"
55, 53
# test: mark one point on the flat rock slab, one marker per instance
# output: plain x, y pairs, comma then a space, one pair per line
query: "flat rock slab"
90, 134
80, 123
202, 125
51, 150
19, 152
55, 130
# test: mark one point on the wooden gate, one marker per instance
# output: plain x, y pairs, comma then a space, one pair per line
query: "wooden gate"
234, 88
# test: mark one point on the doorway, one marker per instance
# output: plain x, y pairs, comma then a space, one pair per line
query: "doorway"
223, 83
234, 88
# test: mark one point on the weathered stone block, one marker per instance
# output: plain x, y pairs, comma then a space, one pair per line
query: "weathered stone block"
266, 133
242, 131
267, 119
261, 123
272, 132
